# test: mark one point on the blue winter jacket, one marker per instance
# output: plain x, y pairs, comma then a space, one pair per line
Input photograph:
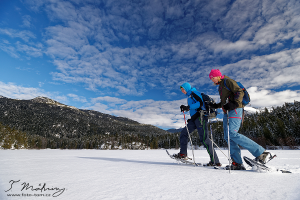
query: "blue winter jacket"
193, 103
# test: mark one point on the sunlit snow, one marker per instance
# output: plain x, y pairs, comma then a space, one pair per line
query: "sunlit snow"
139, 174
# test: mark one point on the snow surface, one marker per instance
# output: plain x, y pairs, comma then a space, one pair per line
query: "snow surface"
139, 174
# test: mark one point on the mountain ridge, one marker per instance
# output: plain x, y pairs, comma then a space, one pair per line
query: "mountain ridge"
50, 120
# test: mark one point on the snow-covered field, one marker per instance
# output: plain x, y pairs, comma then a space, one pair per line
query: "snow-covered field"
138, 174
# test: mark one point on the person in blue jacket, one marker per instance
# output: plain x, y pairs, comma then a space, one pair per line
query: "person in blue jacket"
197, 121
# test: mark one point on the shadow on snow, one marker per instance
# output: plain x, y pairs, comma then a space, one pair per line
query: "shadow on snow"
129, 161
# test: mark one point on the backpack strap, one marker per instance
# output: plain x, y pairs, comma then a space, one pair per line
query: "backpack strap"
226, 85
231, 91
197, 98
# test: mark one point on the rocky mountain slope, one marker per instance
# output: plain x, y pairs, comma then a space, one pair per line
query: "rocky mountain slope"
52, 120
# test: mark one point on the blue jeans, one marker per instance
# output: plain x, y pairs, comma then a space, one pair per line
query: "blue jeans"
235, 119
203, 135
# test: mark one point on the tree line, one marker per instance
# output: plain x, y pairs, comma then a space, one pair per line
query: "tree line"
11, 138
279, 126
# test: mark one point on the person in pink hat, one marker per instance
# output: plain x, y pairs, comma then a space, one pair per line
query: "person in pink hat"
231, 96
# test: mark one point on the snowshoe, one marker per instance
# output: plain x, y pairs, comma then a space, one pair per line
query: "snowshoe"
257, 164
183, 159
253, 163
211, 164
235, 166
180, 156
265, 157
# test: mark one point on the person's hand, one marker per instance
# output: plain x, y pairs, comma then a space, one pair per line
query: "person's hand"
230, 105
213, 105
184, 108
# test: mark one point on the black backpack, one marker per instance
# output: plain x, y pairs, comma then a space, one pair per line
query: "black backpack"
211, 112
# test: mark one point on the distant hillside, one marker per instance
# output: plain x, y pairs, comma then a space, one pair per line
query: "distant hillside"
50, 124
174, 130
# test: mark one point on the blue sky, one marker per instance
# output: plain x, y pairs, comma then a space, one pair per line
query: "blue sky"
128, 58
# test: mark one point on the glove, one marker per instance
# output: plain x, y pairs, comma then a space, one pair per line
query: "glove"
189, 120
184, 108
230, 105
213, 105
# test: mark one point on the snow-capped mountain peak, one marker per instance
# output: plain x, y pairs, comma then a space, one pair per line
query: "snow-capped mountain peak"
47, 100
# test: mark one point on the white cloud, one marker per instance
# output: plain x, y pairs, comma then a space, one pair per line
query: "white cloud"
35, 5
174, 12
227, 47
109, 100
75, 97
24, 35
258, 25
62, 10
267, 98
29, 50
158, 113
269, 72
14, 91
26, 21
10, 50
16, 49
89, 40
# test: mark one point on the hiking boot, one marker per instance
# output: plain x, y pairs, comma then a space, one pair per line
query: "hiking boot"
180, 156
235, 166
264, 157
213, 164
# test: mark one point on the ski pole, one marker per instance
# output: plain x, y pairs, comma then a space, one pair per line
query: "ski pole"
212, 140
212, 143
220, 150
190, 139
229, 158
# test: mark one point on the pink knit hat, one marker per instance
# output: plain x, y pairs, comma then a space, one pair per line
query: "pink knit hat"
214, 73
